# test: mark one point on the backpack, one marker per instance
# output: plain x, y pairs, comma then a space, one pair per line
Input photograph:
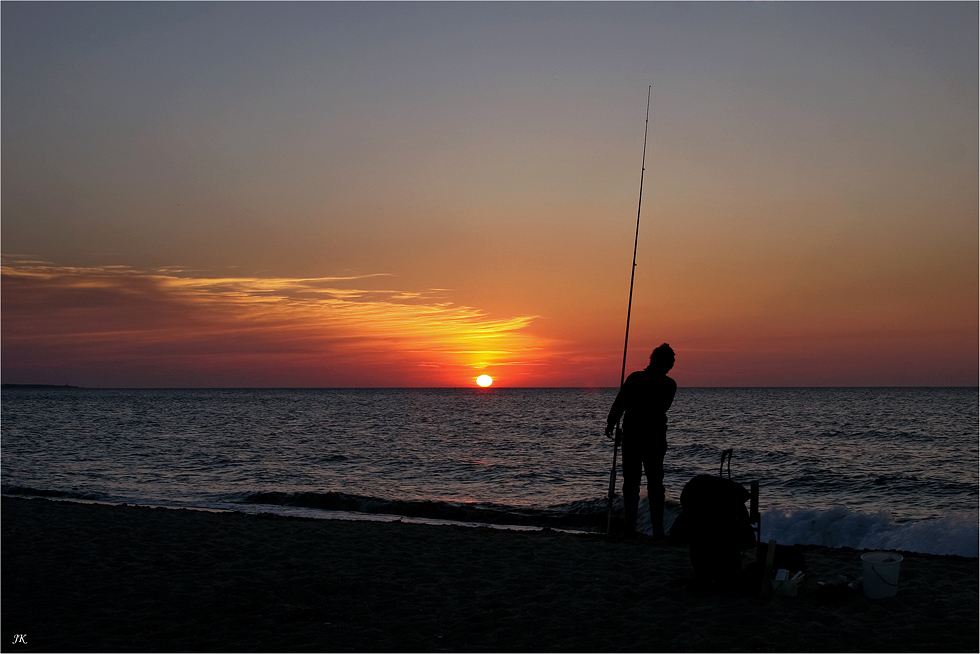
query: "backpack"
716, 526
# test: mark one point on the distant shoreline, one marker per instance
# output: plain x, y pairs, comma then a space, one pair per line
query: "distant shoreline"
37, 386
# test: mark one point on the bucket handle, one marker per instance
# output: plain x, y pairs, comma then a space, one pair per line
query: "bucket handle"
883, 580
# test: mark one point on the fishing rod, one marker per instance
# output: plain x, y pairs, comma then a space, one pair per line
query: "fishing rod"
629, 309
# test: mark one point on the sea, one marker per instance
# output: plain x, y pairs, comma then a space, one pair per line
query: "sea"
865, 468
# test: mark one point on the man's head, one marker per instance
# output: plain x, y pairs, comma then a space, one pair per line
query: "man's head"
662, 359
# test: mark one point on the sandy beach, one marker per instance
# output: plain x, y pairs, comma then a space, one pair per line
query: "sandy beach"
84, 577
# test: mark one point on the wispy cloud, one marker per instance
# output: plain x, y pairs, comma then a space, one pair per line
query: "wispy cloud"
327, 330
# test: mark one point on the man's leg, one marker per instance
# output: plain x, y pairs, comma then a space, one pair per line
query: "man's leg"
656, 492
632, 469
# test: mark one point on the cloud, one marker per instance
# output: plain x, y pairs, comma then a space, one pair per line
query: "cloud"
256, 330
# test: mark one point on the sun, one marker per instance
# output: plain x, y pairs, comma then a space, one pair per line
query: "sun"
484, 380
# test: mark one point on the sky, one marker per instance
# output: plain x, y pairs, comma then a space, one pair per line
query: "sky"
413, 194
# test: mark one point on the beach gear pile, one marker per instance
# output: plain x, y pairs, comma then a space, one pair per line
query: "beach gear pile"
716, 526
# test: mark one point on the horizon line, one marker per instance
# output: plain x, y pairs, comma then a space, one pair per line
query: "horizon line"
6, 385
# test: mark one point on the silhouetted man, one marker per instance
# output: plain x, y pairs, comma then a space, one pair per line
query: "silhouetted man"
645, 397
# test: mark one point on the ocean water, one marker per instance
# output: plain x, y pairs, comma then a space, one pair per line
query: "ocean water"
868, 468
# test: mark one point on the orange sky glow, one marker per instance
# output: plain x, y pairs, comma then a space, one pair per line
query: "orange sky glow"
414, 194
317, 332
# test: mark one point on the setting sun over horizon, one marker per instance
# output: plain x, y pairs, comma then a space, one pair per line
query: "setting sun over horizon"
408, 194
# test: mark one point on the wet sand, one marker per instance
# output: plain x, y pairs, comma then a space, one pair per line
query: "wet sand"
80, 577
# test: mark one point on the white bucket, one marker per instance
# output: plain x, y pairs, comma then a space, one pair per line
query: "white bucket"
881, 574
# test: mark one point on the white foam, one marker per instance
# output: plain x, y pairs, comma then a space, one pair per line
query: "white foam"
841, 527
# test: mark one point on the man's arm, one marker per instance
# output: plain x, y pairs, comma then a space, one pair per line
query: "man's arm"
618, 407
669, 392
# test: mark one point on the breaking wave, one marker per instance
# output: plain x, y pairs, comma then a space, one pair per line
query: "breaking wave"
584, 515
841, 527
